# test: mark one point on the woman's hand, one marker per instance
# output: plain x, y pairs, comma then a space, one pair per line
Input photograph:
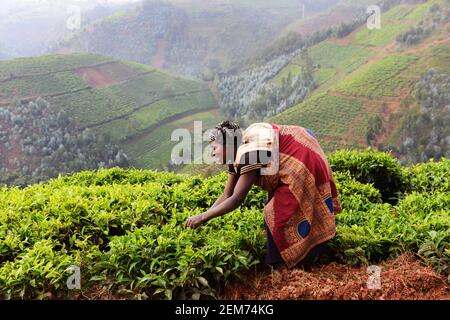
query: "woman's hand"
243, 185
194, 221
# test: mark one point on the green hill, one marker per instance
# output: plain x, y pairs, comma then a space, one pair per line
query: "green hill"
368, 81
125, 100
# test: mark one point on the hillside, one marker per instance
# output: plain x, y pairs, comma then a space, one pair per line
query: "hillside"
125, 230
368, 83
197, 38
343, 10
264, 86
28, 29
127, 101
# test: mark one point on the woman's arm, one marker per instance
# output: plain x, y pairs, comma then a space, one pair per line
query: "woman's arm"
229, 188
240, 191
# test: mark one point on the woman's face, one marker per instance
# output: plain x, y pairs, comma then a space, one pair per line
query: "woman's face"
218, 152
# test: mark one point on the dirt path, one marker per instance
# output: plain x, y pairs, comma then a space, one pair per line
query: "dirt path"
402, 278
159, 58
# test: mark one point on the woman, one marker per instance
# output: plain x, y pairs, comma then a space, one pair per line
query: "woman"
288, 162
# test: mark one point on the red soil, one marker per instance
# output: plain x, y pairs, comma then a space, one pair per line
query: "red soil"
158, 59
327, 19
95, 77
403, 278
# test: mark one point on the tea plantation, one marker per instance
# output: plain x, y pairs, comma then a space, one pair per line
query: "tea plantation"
124, 228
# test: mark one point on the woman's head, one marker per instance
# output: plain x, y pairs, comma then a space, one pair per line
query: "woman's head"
224, 141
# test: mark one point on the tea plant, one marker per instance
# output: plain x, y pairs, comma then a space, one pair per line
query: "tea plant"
125, 228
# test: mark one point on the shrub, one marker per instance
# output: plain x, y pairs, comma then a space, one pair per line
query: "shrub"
420, 223
124, 228
429, 176
378, 168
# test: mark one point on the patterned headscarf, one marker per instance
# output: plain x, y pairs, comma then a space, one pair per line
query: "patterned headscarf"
226, 132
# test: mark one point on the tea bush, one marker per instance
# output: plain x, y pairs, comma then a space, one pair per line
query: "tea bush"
429, 176
82, 219
368, 166
124, 228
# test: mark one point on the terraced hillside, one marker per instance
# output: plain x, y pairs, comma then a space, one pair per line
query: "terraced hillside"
367, 80
127, 101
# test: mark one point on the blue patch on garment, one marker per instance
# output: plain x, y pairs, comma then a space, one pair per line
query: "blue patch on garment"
311, 133
329, 203
304, 228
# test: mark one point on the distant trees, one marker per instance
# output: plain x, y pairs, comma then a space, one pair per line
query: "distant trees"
436, 17
293, 90
246, 91
249, 94
375, 127
39, 141
183, 41
345, 28
413, 35
239, 91
425, 133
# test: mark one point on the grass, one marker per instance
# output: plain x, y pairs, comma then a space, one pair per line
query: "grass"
90, 107
379, 37
138, 67
292, 68
120, 71
153, 113
346, 58
418, 13
327, 116
437, 57
65, 81
153, 149
94, 107
381, 78
398, 13
331, 60
393, 22
324, 75
49, 63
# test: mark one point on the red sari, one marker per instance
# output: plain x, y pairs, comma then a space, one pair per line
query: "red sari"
303, 200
